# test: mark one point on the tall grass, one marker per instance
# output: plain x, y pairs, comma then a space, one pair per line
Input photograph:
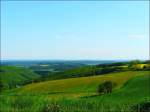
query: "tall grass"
23, 103
38, 104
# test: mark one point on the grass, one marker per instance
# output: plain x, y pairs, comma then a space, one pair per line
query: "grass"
24, 103
133, 91
11, 76
79, 94
76, 87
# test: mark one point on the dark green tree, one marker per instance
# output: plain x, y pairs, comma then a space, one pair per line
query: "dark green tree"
1, 85
105, 87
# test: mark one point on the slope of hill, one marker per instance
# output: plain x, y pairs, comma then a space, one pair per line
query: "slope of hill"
82, 85
92, 70
133, 90
132, 97
11, 76
85, 71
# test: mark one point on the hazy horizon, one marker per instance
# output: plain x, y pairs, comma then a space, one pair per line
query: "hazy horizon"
77, 30
120, 60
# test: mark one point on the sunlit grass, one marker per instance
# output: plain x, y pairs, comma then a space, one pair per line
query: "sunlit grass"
75, 87
133, 92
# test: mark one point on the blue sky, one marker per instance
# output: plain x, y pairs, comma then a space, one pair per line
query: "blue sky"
74, 30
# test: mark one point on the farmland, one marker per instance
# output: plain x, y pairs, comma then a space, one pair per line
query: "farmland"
74, 90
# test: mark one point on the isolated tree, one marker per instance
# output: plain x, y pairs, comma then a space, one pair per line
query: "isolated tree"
1, 85
105, 87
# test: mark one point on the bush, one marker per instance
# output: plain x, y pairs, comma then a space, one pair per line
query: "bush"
105, 87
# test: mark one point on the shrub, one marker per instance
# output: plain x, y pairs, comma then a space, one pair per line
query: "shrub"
1, 86
105, 87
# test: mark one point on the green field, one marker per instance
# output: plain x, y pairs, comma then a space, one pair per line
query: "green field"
78, 85
80, 94
11, 76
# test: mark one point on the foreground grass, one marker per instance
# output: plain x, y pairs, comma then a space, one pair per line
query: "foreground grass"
22, 103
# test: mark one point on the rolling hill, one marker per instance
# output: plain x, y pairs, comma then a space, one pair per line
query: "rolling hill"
133, 96
79, 94
78, 86
11, 76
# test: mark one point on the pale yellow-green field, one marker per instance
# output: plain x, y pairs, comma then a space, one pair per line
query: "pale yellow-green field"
141, 66
76, 87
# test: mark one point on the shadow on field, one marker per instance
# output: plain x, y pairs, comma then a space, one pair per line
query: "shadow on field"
142, 107
91, 96
56, 92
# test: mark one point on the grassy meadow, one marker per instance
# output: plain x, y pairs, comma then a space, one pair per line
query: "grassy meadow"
78, 85
80, 94
11, 76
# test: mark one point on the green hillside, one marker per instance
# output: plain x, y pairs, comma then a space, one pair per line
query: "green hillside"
92, 70
132, 97
85, 71
77, 95
78, 86
11, 76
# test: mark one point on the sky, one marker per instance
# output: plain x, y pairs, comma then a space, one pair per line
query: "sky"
98, 30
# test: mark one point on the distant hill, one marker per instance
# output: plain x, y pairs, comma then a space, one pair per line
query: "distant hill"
11, 76
92, 70
28, 63
43, 67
